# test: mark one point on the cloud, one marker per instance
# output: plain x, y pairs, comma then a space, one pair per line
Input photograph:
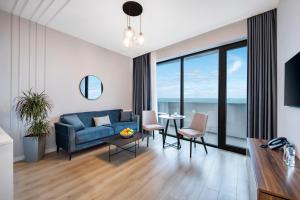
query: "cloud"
235, 66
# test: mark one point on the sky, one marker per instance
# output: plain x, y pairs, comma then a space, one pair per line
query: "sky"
201, 76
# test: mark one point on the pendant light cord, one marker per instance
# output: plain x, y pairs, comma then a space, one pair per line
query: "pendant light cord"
140, 23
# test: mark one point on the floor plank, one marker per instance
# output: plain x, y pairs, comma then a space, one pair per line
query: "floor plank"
156, 173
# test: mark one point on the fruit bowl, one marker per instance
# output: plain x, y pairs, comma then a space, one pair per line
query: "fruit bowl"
127, 133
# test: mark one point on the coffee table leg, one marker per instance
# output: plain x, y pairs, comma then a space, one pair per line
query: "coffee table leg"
135, 149
109, 152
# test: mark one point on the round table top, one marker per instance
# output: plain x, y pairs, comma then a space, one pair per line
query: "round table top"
167, 116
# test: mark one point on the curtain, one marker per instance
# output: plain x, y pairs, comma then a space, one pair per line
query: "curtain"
262, 76
141, 84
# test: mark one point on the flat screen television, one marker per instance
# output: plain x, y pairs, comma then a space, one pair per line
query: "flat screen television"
292, 82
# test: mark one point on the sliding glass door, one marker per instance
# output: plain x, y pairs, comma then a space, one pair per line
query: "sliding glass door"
236, 97
201, 74
168, 90
213, 82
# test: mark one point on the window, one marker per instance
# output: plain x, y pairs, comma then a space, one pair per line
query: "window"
236, 97
168, 88
213, 81
201, 84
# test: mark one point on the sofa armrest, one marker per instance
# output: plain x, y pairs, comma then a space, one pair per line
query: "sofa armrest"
65, 136
136, 118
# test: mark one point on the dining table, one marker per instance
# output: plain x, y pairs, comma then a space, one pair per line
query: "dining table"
173, 118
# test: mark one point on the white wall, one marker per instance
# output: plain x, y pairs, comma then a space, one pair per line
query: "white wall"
6, 163
224, 35
44, 59
288, 44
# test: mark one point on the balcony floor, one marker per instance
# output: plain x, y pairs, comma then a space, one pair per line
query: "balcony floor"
212, 138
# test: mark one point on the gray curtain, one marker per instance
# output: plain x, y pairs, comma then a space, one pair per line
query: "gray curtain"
141, 84
262, 76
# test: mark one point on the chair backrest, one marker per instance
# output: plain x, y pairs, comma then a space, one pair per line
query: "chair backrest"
149, 117
199, 122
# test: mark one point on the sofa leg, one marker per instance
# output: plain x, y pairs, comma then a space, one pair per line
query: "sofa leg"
70, 156
153, 134
57, 149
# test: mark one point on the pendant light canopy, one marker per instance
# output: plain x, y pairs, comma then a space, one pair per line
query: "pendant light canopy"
132, 9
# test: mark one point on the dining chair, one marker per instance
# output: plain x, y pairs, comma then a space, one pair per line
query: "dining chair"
196, 129
150, 124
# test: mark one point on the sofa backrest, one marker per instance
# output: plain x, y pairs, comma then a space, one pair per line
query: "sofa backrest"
87, 117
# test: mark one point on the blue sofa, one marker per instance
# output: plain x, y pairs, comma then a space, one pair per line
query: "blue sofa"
71, 140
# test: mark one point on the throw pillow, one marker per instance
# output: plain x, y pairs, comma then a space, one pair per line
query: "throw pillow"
74, 121
100, 121
126, 116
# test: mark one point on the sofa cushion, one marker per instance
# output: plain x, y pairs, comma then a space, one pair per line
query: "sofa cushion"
74, 121
126, 116
119, 126
93, 133
87, 117
99, 121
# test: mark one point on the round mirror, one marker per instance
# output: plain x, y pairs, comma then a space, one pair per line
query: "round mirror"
91, 87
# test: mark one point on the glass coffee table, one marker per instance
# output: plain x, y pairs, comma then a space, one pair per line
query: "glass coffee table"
120, 142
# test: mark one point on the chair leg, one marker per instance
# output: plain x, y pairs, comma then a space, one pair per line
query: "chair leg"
163, 137
195, 142
202, 139
147, 140
153, 134
70, 156
57, 149
191, 144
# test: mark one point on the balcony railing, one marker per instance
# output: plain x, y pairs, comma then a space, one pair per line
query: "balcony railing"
236, 120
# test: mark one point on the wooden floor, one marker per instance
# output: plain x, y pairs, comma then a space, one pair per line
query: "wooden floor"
156, 173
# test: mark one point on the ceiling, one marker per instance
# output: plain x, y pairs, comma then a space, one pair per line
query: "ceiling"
164, 22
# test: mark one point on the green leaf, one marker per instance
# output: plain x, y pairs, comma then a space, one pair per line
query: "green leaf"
33, 108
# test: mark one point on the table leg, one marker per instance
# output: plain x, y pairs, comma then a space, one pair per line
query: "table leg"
167, 125
135, 149
165, 132
177, 135
109, 152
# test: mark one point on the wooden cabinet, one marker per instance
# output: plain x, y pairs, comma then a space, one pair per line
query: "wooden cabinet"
269, 177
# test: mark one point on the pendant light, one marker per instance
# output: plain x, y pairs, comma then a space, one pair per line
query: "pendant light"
132, 9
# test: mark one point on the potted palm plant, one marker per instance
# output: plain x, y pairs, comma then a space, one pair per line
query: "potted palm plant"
33, 108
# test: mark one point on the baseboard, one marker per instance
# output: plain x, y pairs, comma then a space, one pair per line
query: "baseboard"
50, 150
20, 158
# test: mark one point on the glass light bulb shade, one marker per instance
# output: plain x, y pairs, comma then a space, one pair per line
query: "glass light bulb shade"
140, 38
129, 32
127, 42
